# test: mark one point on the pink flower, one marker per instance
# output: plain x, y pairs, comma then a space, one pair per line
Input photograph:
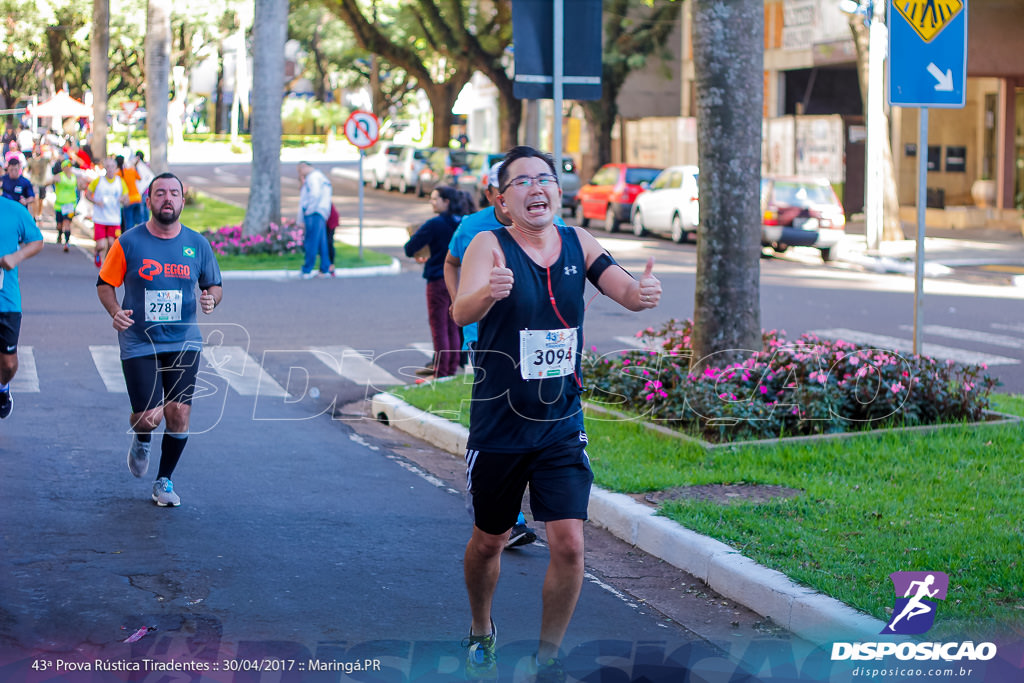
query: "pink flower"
763, 389
896, 388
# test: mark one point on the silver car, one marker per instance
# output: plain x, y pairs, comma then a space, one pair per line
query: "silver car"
403, 173
375, 166
669, 206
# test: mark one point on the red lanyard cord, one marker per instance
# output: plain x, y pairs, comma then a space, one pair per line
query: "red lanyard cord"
551, 298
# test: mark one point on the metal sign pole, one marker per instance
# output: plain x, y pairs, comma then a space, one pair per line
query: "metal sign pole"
362, 153
922, 182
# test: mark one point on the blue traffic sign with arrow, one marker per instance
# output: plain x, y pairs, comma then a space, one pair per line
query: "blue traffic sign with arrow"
927, 53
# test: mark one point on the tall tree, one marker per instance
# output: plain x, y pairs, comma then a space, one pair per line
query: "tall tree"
728, 56
20, 46
632, 35
67, 53
270, 27
127, 78
891, 227
100, 70
410, 44
333, 59
482, 31
158, 79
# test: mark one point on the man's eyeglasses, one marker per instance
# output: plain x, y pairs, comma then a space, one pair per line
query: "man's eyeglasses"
524, 181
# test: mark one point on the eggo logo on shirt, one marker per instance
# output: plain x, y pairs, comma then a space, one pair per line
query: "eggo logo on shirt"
151, 268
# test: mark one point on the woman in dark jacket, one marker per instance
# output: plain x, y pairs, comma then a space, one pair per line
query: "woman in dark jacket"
449, 205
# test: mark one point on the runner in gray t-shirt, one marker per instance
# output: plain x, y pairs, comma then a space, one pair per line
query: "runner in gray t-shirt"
161, 264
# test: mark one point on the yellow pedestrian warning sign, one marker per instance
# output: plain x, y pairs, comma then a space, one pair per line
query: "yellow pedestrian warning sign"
928, 17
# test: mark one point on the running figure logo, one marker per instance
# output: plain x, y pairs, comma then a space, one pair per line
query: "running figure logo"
914, 608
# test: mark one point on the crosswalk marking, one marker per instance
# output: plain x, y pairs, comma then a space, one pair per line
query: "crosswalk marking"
907, 346
1009, 327
425, 348
242, 373
246, 376
27, 379
632, 342
107, 360
354, 366
971, 335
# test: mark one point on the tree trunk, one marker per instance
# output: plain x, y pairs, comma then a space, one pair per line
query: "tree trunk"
100, 66
510, 113
600, 115
218, 105
442, 98
270, 28
158, 78
728, 42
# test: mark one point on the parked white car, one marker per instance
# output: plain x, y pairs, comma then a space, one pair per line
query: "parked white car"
669, 206
403, 173
376, 165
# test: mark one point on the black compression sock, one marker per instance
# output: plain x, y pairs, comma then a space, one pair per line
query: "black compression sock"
171, 448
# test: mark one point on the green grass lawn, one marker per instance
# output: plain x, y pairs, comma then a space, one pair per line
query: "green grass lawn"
949, 501
210, 214
345, 256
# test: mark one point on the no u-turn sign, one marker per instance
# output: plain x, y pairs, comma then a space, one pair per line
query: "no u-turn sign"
362, 129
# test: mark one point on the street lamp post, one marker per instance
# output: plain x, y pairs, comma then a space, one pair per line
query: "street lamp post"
874, 110
874, 183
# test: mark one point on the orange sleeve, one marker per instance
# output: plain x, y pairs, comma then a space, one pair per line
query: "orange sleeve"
114, 267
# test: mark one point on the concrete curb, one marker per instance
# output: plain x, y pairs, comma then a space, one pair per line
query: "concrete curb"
394, 268
811, 615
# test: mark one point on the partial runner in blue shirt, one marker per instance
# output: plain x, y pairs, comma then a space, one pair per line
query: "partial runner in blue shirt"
19, 239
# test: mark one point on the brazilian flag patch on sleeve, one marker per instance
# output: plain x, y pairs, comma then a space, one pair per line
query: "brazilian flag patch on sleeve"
189, 251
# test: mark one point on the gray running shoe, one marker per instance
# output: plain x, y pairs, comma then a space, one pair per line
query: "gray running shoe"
138, 456
481, 657
163, 493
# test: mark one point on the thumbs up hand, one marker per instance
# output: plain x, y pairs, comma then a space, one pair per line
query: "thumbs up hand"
501, 277
649, 287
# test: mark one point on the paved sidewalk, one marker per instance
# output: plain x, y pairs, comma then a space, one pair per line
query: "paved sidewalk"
989, 255
811, 615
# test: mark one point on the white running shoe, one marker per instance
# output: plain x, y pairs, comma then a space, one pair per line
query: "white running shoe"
163, 493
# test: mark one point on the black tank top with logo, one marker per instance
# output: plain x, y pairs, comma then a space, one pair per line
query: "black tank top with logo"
510, 413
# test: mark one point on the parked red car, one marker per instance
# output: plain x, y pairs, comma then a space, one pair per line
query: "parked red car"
610, 193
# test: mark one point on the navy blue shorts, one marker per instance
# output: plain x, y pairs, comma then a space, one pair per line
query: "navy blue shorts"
163, 378
10, 330
559, 478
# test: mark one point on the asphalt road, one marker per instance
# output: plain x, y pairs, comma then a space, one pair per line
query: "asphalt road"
301, 541
307, 536
971, 314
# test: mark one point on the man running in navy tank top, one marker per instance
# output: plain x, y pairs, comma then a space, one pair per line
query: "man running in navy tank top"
524, 285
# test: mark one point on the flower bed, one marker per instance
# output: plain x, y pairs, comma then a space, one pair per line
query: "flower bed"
277, 239
810, 386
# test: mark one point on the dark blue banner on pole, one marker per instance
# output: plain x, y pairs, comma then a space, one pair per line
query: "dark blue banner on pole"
533, 39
